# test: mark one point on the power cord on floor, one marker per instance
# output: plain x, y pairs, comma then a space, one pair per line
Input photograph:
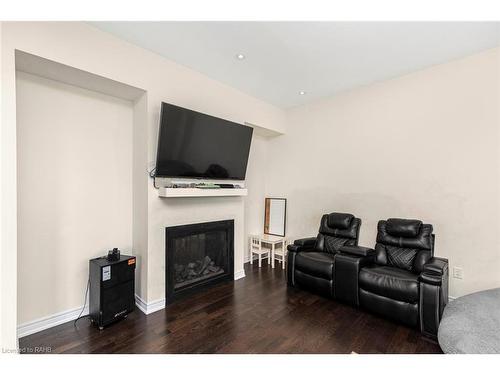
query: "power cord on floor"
84, 304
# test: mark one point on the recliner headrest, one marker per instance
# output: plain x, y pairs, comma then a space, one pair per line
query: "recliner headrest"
403, 227
338, 220
423, 240
340, 225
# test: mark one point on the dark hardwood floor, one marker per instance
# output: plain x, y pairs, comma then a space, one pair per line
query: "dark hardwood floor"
256, 314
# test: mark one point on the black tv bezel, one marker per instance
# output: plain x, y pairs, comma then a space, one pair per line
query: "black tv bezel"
198, 177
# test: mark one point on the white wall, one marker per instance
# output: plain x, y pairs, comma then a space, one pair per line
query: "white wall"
161, 80
140, 185
8, 253
74, 190
256, 185
424, 146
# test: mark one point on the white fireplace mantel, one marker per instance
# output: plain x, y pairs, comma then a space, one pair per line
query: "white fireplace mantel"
165, 192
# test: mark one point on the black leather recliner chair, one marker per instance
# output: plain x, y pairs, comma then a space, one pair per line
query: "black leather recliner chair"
311, 260
405, 281
400, 278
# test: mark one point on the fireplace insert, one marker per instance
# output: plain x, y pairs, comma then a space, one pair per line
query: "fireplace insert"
198, 256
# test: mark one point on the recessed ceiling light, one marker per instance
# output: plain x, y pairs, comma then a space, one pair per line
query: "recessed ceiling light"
301, 92
240, 56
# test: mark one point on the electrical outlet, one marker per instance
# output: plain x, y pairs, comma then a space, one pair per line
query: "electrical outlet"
458, 273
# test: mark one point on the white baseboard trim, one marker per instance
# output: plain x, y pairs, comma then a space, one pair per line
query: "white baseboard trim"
151, 307
53, 320
239, 275
450, 298
49, 321
141, 304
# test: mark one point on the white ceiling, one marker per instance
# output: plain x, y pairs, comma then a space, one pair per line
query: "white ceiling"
321, 58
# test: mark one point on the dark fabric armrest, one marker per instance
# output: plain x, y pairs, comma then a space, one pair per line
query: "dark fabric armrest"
434, 271
360, 251
303, 244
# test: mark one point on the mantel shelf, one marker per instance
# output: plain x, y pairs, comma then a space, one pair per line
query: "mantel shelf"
164, 192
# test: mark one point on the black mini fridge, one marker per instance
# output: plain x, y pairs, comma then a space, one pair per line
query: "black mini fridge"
112, 289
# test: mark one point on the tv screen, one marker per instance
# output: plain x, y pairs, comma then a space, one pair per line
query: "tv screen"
196, 145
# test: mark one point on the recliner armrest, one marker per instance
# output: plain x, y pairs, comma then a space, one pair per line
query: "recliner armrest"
434, 270
433, 295
303, 244
360, 251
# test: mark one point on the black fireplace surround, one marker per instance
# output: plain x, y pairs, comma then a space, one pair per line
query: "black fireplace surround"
198, 256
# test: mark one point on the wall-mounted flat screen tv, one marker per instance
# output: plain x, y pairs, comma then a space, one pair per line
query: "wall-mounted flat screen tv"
195, 145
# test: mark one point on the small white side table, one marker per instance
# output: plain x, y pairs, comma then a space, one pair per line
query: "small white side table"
273, 241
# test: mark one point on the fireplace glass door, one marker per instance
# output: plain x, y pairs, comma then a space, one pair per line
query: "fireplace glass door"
197, 256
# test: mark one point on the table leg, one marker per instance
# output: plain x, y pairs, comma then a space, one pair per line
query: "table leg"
272, 255
283, 249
